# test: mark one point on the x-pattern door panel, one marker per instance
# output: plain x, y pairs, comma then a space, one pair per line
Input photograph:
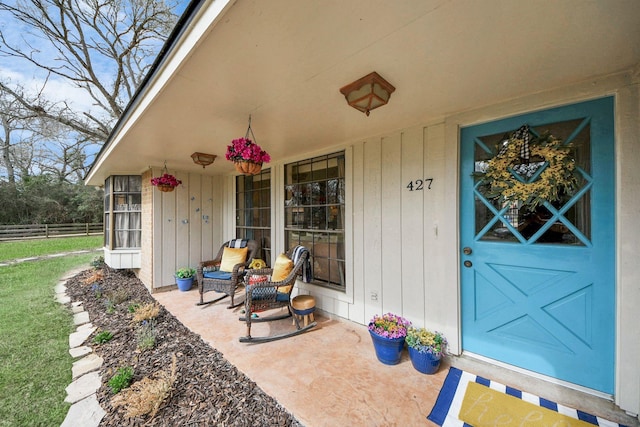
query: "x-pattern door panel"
538, 288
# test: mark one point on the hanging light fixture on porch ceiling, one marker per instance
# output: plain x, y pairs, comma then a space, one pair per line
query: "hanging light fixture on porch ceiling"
203, 159
368, 92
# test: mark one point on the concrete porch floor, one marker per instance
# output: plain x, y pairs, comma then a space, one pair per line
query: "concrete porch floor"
329, 375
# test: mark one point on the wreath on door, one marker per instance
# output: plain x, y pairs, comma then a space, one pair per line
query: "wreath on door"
531, 170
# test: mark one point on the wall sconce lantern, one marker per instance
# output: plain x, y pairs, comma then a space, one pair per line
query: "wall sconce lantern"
368, 92
203, 159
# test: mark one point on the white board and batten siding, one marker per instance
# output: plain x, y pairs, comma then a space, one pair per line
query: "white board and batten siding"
390, 257
397, 238
187, 224
413, 242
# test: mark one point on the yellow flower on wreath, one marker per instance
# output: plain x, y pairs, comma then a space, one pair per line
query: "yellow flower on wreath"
558, 176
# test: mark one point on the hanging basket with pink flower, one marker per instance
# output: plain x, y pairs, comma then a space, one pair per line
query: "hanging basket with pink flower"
246, 155
165, 182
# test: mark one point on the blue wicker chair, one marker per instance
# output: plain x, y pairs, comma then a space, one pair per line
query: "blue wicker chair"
220, 281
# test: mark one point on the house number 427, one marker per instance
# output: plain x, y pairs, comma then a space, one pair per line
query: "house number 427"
420, 184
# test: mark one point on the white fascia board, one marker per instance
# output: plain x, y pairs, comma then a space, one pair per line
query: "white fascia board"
207, 17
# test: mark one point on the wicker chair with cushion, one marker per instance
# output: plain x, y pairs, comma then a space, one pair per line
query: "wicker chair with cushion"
226, 270
270, 288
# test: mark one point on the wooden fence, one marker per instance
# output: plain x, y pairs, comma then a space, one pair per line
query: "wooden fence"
40, 231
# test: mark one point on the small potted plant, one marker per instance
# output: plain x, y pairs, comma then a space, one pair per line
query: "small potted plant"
426, 349
388, 333
184, 278
247, 156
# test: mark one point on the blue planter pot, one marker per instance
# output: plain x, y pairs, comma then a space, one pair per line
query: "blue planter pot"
426, 363
184, 284
388, 350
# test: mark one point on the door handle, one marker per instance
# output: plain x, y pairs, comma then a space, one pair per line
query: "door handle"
467, 250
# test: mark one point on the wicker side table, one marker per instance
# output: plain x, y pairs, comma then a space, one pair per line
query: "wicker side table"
303, 307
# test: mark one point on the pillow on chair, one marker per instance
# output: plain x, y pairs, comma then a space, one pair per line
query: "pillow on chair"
257, 278
231, 257
281, 270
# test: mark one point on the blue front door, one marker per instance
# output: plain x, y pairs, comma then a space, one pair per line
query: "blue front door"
538, 287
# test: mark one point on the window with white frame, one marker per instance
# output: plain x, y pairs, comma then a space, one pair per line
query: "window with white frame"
123, 211
314, 214
253, 210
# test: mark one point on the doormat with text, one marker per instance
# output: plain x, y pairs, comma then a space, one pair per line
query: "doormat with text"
469, 400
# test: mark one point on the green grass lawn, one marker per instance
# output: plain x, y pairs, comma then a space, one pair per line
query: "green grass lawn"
36, 247
35, 365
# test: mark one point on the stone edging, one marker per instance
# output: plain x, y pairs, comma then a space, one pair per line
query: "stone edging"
85, 410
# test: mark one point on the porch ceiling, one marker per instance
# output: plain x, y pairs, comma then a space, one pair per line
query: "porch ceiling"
284, 61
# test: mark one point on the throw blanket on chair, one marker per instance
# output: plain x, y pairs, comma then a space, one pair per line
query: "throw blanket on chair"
307, 272
238, 243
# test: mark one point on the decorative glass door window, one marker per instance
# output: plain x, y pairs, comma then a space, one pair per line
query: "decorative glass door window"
564, 221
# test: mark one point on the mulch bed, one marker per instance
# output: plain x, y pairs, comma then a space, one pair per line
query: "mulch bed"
209, 391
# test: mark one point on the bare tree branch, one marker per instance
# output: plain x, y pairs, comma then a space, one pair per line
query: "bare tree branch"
104, 47
62, 114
